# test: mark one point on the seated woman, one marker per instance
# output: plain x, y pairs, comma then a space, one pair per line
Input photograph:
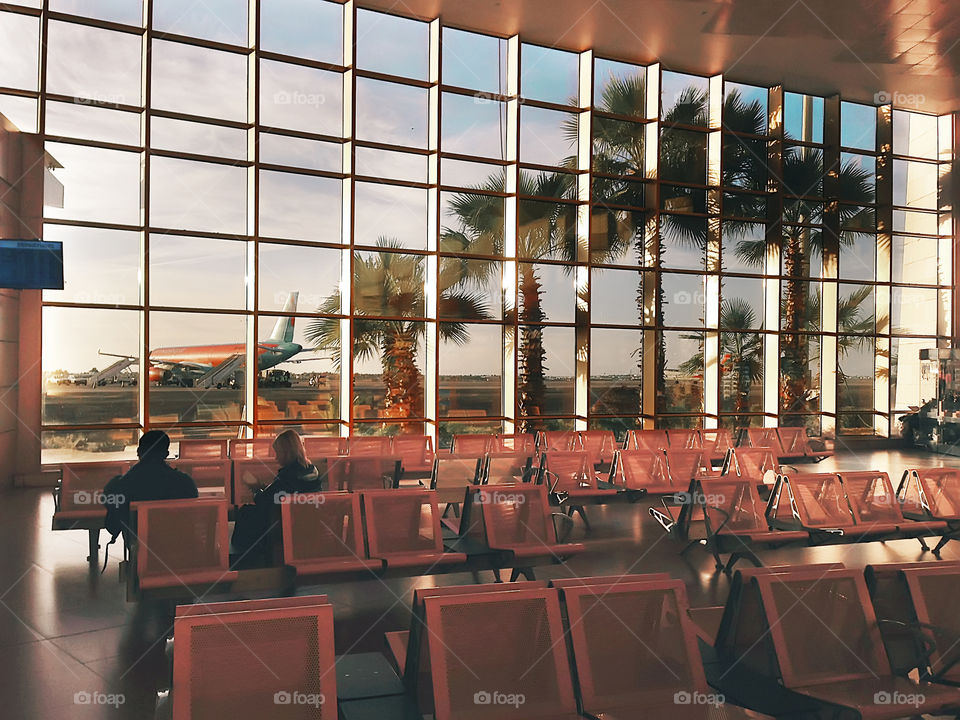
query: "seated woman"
258, 525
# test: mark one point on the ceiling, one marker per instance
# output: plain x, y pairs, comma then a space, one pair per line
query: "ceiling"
907, 49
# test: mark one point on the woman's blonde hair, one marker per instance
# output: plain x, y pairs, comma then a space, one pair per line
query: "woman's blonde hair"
289, 449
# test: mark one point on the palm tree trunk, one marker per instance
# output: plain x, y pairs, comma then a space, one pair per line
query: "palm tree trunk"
531, 387
402, 379
793, 384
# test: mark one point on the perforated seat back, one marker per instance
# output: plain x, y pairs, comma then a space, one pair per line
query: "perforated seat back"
202, 449
794, 441
766, 438
684, 465
716, 442
652, 440
633, 644
212, 476
684, 439
599, 445
755, 462
732, 505
275, 663
821, 501
507, 468
823, 626
516, 516
641, 470
177, 538
942, 489
472, 444
362, 445
871, 497
319, 446
526, 656
452, 474
572, 470
321, 526
362, 473
934, 591
247, 448
518, 443
82, 483
402, 521
559, 441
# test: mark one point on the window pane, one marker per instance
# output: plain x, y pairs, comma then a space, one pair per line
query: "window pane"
470, 289
745, 108
547, 230
858, 126
684, 98
308, 386
616, 297
905, 371
744, 164
618, 147
221, 20
93, 123
549, 74
306, 28
111, 74
474, 61
855, 374
471, 224
923, 223
390, 165
391, 113
547, 137
198, 81
198, 138
473, 126
799, 373
99, 185
22, 112
683, 242
856, 310
546, 370
616, 236
683, 156
74, 391
858, 178
803, 117
742, 306
60, 446
801, 252
300, 207
546, 293
128, 12
392, 45
312, 272
460, 173
858, 256
300, 98
300, 153
914, 311
191, 354
683, 299
619, 88
197, 272
390, 214
744, 247
389, 382
741, 372
680, 385
616, 371
187, 195
20, 38
915, 184
915, 260
915, 135
388, 284
799, 306
99, 266
470, 370
802, 175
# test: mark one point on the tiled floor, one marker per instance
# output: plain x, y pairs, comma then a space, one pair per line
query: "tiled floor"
67, 635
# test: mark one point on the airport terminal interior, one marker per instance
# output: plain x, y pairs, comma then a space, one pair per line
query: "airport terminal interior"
534, 359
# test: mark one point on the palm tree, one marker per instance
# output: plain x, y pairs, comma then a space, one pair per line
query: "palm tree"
391, 284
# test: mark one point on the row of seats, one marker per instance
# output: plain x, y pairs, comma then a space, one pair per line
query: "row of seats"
804, 641
819, 508
183, 543
594, 647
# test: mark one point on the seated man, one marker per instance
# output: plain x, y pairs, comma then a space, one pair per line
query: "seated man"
149, 479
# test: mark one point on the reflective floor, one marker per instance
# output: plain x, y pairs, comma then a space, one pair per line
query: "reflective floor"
72, 647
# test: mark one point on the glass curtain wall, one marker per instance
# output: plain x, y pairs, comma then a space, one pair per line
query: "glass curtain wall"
285, 214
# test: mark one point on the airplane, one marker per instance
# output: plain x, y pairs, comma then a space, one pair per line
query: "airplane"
186, 365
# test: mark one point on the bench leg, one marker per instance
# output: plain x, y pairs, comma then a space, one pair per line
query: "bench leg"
923, 544
527, 572
93, 545
943, 541
496, 575
582, 511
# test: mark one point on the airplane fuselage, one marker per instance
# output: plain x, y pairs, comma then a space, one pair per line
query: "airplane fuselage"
200, 358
